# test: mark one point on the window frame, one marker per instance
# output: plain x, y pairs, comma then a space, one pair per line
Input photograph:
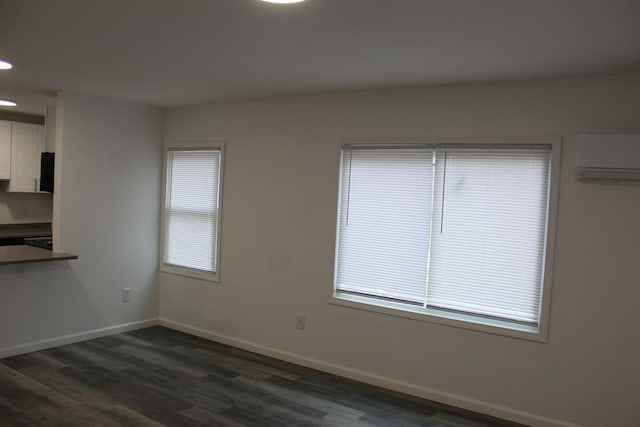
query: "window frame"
186, 271
472, 322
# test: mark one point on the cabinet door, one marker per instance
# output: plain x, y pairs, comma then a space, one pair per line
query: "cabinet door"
5, 150
27, 143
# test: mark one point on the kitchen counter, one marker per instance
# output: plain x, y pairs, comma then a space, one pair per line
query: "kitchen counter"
20, 254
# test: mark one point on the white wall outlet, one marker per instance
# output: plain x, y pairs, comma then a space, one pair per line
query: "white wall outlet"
126, 294
300, 321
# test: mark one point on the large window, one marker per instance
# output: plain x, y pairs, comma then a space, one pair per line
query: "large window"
457, 232
192, 212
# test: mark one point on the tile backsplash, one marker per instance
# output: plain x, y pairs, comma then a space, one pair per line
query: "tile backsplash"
17, 208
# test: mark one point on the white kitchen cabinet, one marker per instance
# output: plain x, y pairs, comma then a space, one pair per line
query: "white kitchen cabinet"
5, 150
27, 144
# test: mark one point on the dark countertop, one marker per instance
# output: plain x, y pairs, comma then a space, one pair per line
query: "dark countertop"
25, 230
20, 254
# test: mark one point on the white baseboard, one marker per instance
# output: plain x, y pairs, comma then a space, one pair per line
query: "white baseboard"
463, 402
73, 338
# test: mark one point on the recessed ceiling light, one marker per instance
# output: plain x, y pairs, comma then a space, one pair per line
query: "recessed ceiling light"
4, 65
283, 1
7, 103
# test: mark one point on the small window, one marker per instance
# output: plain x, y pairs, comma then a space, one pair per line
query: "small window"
457, 232
192, 212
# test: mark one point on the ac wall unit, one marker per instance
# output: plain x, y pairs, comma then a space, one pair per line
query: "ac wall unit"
608, 158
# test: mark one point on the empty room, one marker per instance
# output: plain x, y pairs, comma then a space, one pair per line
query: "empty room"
320, 213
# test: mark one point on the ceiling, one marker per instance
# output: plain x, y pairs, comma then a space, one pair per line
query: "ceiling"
178, 52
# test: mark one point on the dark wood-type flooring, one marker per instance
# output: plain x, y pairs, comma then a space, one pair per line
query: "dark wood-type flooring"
157, 376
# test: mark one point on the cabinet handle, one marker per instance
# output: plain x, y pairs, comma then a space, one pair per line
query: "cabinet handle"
35, 184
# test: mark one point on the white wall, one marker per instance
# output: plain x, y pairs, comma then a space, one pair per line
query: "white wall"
106, 206
17, 208
278, 225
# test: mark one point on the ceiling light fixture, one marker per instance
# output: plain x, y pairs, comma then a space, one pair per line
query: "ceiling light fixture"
283, 1
4, 65
7, 103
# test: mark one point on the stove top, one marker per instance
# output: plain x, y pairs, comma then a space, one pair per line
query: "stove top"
40, 242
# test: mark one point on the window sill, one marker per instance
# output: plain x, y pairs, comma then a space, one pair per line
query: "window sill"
456, 320
194, 274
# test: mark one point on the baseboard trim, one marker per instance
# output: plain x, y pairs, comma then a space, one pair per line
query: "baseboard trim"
73, 338
463, 402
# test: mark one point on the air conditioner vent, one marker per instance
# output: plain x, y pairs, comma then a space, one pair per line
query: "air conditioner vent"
608, 158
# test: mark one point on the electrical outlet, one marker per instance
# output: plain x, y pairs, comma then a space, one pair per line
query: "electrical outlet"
300, 321
126, 294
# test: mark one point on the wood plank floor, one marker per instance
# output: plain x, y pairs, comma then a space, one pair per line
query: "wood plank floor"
157, 376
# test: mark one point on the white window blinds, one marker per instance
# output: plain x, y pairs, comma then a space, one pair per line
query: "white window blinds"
461, 229
487, 246
191, 214
384, 223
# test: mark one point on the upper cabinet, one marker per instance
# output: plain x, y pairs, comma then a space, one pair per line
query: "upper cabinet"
27, 144
5, 150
